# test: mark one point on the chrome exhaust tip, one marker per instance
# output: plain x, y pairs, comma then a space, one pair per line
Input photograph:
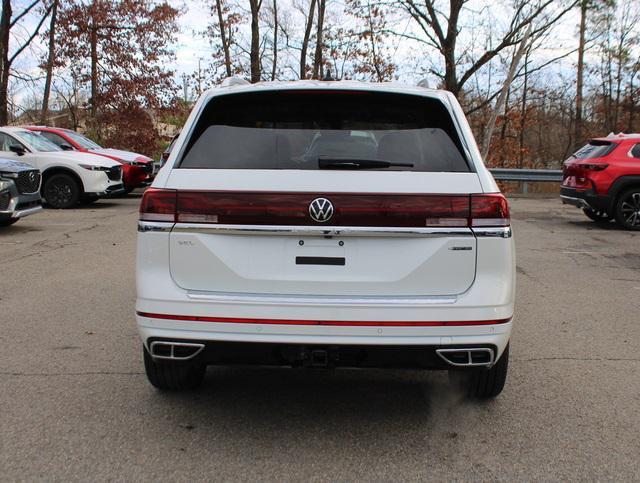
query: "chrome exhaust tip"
468, 357
176, 351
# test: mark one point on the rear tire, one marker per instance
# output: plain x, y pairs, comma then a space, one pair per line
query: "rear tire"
599, 216
483, 383
173, 375
628, 209
61, 191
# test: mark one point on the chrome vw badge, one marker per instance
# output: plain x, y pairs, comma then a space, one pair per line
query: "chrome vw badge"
321, 210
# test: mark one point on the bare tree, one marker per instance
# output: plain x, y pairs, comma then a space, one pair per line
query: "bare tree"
486, 142
49, 64
256, 71
318, 70
275, 40
580, 73
6, 60
305, 40
441, 31
223, 38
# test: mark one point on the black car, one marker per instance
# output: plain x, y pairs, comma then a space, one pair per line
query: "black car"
19, 191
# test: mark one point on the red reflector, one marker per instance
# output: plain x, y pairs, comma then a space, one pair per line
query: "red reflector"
489, 210
356, 323
158, 205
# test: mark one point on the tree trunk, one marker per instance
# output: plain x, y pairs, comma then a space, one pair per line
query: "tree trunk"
255, 40
449, 48
50, 59
523, 112
318, 69
577, 137
94, 70
223, 38
503, 93
305, 40
5, 26
275, 40
374, 54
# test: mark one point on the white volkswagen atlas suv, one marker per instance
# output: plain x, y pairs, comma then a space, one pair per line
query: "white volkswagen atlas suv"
325, 224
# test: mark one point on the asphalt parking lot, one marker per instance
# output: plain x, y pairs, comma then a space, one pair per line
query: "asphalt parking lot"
75, 403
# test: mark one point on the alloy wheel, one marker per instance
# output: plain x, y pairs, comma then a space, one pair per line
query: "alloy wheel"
629, 210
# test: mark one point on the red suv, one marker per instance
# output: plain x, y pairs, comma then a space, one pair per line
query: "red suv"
603, 178
137, 170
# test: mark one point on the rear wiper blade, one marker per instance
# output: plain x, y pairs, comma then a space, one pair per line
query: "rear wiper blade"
347, 163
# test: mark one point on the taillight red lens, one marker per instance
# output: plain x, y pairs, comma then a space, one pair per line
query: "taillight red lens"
158, 205
489, 210
593, 166
237, 208
351, 209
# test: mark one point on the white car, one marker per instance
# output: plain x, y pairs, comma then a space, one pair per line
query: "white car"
326, 224
67, 177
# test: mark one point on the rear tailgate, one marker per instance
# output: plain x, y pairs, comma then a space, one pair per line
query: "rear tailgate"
251, 232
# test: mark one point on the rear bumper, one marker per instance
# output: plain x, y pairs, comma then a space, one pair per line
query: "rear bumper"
319, 355
258, 335
585, 199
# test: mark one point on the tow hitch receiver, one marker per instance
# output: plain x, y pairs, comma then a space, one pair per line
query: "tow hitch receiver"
319, 358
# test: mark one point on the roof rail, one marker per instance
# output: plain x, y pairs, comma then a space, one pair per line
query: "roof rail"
234, 81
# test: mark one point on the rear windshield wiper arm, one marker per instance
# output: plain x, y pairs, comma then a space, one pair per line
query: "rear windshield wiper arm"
346, 163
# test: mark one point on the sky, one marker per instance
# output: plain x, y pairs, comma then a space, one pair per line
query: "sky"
191, 46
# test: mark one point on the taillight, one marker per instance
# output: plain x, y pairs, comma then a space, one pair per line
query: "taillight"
159, 205
489, 210
592, 166
238, 208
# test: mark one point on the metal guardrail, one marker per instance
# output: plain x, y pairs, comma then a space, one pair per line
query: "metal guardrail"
527, 175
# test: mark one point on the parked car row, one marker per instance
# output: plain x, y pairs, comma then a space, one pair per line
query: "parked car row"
66, 167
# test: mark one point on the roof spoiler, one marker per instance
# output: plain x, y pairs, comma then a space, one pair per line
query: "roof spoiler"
234, 81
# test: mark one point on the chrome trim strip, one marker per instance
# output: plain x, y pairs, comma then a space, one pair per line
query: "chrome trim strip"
496, 232
27, 212
579, 202
469, 363
199, 348
146, 226
320, 300
320, 230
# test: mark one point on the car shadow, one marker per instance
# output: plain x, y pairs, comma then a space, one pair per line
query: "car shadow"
591, 225
18, 229
375, 403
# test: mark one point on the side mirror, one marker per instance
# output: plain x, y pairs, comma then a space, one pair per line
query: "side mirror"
19, 150
66, 147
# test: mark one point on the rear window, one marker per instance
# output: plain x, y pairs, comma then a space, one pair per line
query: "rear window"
308, 129
595, 149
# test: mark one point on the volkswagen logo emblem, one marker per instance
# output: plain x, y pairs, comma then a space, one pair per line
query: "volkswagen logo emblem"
321, 210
